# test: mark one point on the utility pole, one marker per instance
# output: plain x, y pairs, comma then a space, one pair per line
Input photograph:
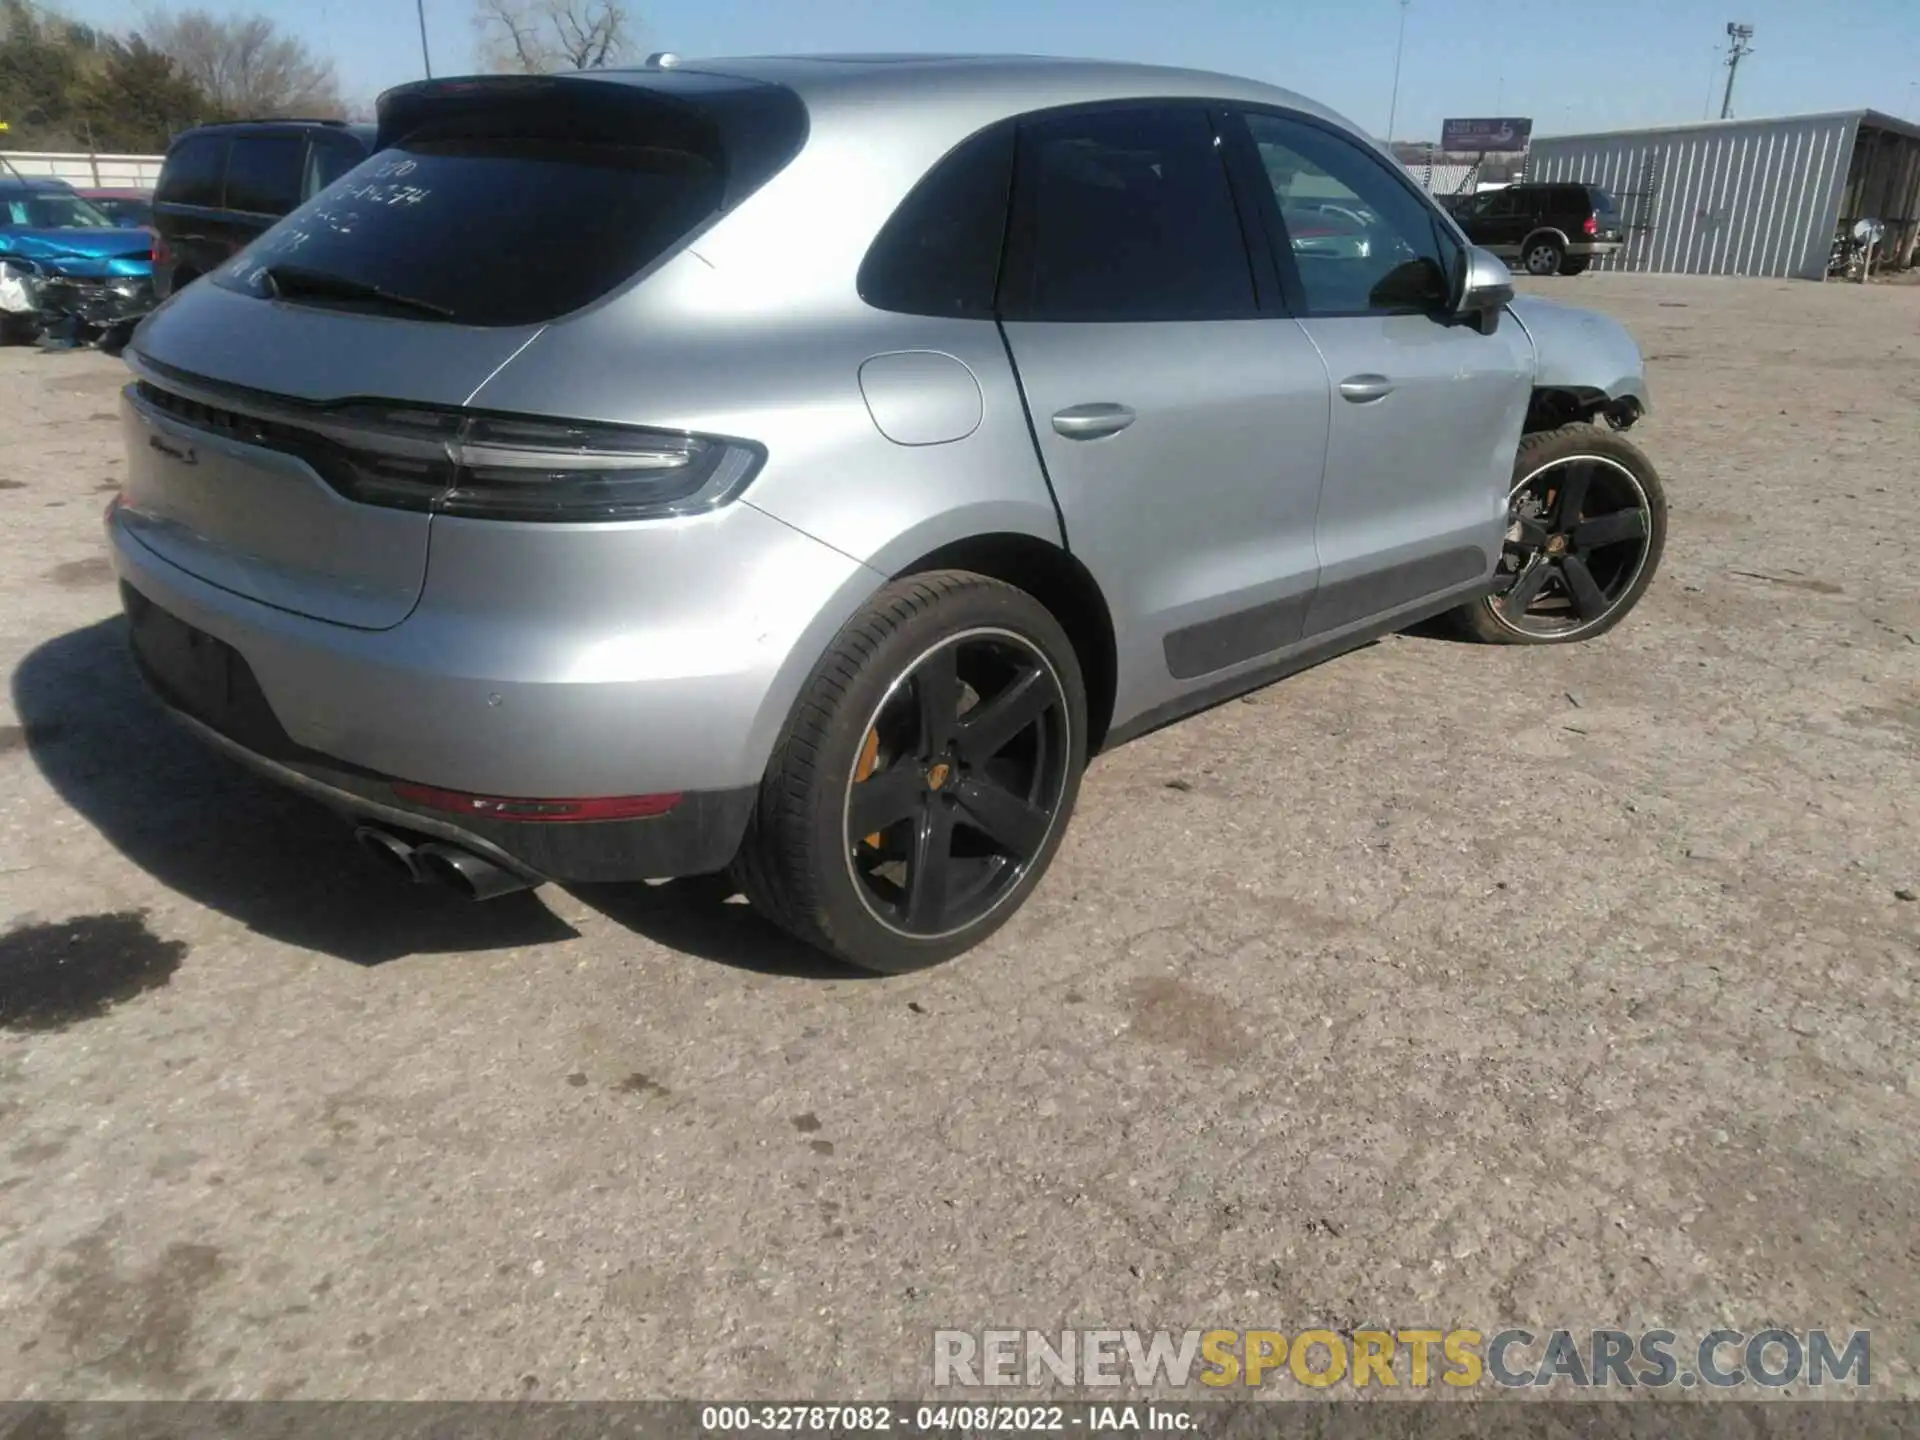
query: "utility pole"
1400, 45
1739, 46
425, 58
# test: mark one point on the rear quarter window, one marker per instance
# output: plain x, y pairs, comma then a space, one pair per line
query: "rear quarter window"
193, 172
939, 253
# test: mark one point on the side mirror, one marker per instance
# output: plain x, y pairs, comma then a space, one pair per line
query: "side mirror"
1485, 289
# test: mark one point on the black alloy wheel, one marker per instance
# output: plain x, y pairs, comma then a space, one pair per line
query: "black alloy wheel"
959, 784
1579, 536
926, 775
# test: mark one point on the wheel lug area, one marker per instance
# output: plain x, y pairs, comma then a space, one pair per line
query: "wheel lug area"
939, 774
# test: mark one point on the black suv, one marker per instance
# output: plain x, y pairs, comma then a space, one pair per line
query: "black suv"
1549, 229
222, 185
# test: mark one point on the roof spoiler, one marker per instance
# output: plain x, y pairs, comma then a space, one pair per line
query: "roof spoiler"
405, 108
748, 128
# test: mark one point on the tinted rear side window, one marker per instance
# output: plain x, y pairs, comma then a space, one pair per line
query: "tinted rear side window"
327, 161
1124, 214
1571, 200
509, 211
194, 171
263, 173
939, 254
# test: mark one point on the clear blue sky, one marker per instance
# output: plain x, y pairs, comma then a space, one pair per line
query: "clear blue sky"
1601, 63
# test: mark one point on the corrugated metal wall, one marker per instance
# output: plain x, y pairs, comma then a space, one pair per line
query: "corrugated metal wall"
1443, 179
1736, 197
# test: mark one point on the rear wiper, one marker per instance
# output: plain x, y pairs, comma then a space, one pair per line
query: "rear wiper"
297, 282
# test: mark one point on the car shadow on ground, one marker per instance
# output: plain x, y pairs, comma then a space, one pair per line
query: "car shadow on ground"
1439, 627
209, 829
705, 915
285, 866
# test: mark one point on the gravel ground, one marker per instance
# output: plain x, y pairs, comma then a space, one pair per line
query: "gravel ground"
1439, 985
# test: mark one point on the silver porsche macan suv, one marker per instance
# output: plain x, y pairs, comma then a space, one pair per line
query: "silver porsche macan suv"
800, 467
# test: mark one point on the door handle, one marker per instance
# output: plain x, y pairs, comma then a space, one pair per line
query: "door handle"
1092, 421
1364, 389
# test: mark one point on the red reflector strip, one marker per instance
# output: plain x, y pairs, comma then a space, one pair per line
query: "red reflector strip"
502, 807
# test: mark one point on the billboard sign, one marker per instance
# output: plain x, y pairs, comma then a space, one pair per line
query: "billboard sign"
1502, 136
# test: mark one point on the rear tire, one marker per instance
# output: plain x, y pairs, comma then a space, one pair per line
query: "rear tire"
1543, 255
925, 777
1587, 523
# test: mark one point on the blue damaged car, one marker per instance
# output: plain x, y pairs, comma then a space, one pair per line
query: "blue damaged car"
65, 267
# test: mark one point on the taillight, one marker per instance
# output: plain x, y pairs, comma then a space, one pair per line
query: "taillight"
539, 470
158, 253
492, 467
1592, 227
488, 468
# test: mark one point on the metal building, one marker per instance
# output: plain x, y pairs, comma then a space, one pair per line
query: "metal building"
1747, 197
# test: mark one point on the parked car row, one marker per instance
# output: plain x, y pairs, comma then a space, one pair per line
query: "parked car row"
88, 263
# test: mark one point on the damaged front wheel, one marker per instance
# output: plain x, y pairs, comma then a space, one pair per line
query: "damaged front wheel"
1586, 524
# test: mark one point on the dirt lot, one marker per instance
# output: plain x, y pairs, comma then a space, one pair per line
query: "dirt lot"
1440, 985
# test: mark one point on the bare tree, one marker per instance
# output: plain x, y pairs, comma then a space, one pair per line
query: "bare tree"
537, 37
245, 64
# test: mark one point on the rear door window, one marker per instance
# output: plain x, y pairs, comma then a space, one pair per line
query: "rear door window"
194, 172
1124, 215
264, 173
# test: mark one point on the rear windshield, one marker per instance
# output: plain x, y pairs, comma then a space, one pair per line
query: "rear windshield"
1604, 203
492, 230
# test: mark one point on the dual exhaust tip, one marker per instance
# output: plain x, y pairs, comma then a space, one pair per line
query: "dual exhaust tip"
437, 862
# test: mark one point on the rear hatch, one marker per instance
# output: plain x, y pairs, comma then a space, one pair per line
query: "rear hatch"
1606, 214
287, 432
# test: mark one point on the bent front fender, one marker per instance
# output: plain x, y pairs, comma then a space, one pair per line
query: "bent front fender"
1582, 351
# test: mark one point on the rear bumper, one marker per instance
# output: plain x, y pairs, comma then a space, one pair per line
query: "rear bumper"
540, 662
546, 661
697, 836
1592, 249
